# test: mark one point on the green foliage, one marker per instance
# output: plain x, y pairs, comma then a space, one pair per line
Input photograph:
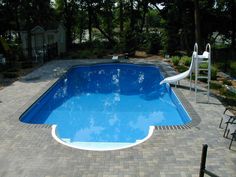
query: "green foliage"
27, 64
181, 68
186, 60
233, 68
162, 52
214, 71
131, 41
82, 54
233, 65
154, 18
154, 43
215, 85
203, 65
227, 93
127, 25
175, 60
99, 53
11, 73
227, 82
164, 39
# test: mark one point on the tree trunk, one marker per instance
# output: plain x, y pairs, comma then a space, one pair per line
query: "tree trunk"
121, 18
145, 10
29, 44
147, 23
97, 25
17, 23
81, 31
132, 16
68, 26
68, 34
233, 16
197, 23
90, 22
109, 19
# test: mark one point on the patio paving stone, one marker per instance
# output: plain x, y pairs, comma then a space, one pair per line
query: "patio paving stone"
30, 151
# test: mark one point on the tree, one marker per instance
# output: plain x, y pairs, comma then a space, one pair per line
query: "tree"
197, 23
68, 10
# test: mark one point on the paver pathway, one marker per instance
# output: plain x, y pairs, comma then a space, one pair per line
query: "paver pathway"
30, 151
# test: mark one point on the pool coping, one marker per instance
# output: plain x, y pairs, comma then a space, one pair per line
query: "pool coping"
185, 103
110, 147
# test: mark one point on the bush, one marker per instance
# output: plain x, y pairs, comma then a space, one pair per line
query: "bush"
186, 60
27, 64
227, 93
227, 82
175, 60
233, 65
162, 52
99, 53
214, 71
214, 85
10, 74
154, 45
233, 68
131, 41
203, 66
84, 54
181, 68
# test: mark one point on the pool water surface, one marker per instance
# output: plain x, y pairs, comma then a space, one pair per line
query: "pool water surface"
107, 106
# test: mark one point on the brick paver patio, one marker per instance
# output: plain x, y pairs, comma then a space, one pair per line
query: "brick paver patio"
30, 151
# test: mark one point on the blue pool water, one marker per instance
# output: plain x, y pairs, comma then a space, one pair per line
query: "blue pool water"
105, 104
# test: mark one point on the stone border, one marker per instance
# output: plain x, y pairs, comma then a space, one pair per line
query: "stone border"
190, 110
18, 114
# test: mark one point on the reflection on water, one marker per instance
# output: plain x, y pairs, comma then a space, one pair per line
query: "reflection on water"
107, 103
143, 122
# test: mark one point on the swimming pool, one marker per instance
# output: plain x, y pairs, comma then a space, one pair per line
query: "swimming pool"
107, 106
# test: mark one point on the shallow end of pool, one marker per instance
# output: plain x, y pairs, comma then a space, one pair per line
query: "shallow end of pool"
100, 146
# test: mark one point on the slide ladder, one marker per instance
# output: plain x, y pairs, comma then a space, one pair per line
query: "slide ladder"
200, 72
195, 66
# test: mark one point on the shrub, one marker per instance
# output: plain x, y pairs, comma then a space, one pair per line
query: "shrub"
84, 54
203, 65
175, 60
214, 71
215, 85
233, 68
182, 68
10, 74
227, 93
154, 45
27, 64
162, 52
186, 60
227, 82
131, 41
233, 65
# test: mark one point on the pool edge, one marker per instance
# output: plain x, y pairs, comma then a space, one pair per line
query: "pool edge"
53, 133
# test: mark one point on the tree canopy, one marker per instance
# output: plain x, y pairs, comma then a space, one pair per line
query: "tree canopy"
167, 25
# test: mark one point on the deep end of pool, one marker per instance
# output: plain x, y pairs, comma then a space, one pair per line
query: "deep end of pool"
99, 146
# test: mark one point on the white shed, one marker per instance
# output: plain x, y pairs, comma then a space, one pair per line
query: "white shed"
43, 38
